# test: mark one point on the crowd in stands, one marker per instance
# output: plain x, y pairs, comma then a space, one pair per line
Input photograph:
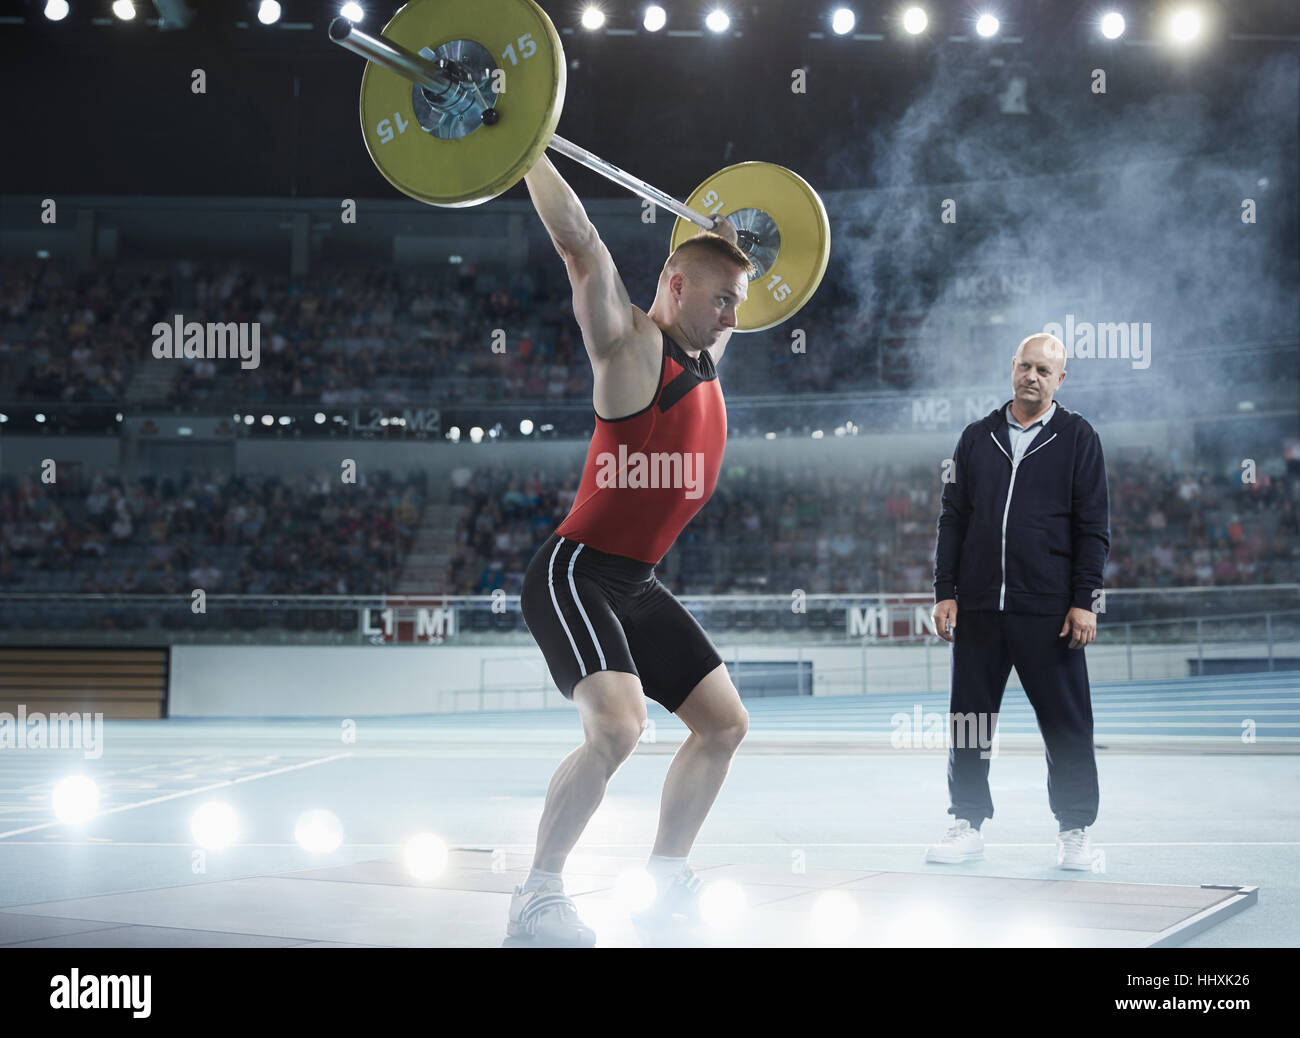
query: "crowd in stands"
509, 515
770, 529
335, 338
75, 337
767, 529
429, 337
381, 337
404, 337
306, 534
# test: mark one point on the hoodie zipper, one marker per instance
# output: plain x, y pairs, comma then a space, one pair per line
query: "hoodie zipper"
1006, 510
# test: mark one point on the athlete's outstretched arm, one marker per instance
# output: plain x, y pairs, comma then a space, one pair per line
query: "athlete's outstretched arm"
562, 214
600, 300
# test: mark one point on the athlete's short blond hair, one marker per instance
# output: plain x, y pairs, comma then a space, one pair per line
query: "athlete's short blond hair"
687, 256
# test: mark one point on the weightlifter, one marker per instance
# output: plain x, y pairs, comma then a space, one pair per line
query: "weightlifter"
610, 631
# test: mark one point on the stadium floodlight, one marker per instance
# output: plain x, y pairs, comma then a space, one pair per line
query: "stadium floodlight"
635, 889
833, 918
842, 21
76, 799
425, 856
1112, 25
268, 12
718, 20
593, 18
124, 9
986, 25
352, 12
915, 20
56, 10
1185, 25
214, 825
655, 18
318, 831
722, 904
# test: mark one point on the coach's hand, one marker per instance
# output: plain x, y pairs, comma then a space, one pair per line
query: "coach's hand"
944, 615
1081, 625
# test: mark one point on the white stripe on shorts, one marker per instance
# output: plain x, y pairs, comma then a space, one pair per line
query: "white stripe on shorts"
574, 588
550, 572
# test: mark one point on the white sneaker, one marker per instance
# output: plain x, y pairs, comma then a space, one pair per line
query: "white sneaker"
960, 843
677, 903
1073, 851
548, 915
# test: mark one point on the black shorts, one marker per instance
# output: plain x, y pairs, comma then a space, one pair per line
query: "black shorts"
592, 611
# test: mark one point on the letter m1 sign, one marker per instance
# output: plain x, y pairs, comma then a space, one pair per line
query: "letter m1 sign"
869, 622
435, 625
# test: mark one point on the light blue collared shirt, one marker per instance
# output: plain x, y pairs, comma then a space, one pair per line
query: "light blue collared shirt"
1022, 436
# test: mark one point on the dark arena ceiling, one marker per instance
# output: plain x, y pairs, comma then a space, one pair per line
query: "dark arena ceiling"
104, 106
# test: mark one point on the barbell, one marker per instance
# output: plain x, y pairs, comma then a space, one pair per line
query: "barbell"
461, 98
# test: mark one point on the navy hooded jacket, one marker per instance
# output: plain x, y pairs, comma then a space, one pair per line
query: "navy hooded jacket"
1026, 538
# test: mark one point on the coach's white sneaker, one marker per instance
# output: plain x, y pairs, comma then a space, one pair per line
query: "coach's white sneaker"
1072, 850
960, 843
548, 915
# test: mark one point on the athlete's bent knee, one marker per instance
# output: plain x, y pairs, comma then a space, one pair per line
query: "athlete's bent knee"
614, 740
729, 736
613, 714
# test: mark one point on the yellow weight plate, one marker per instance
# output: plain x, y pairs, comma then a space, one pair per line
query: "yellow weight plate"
782, 225
446, 155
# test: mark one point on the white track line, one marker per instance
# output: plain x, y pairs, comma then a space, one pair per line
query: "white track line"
184, 793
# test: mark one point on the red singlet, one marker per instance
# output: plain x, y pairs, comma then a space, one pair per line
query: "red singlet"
647, 475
